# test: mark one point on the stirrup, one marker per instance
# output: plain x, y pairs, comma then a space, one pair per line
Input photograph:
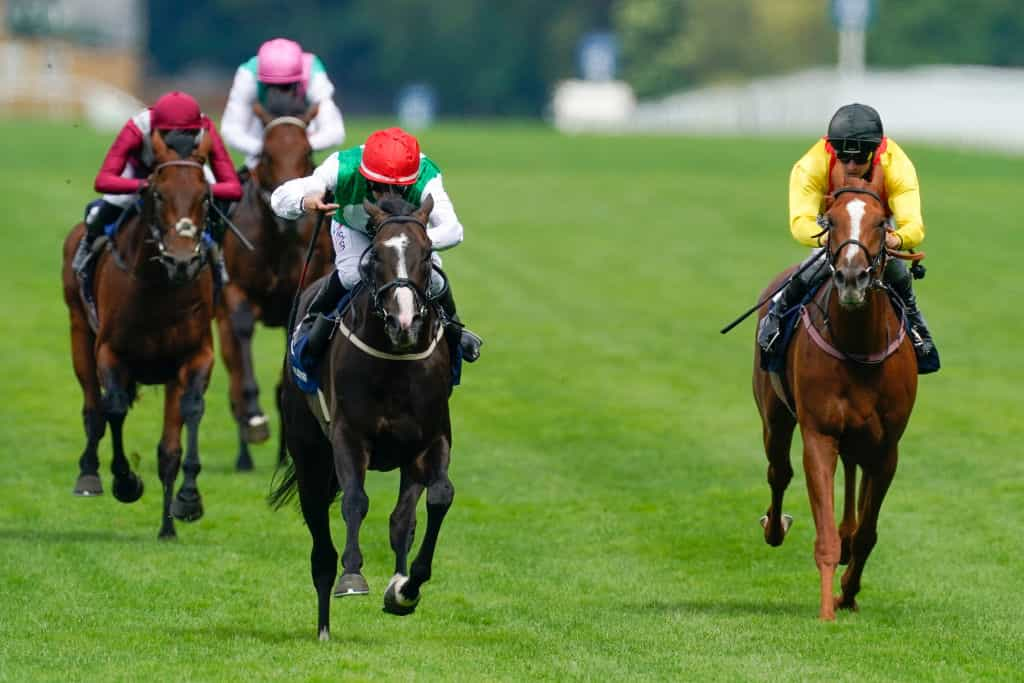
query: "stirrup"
764, 340
470, 343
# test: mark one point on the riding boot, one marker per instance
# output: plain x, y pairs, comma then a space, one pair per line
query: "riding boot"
243, 172
99, 216
220, 269
897, 275
769, 329
456, 332
316, 326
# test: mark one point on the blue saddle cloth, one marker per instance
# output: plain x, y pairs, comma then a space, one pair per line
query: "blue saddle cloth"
306, 377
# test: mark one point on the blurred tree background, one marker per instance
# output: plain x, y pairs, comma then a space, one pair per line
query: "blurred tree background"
486, 57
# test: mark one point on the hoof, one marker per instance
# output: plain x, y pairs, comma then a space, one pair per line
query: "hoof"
843, 603
129, 488
187, 505
167, 533
244, 462
394, 601
351, 584
255, 429
88, 485
325, 634
787, 521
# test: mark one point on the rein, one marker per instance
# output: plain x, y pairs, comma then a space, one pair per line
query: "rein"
282, 120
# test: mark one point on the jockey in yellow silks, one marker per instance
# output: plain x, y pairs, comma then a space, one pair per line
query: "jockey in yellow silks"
856, 141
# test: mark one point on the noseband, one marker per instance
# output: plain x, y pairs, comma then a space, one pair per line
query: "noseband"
184, 227
876, 262
377, 293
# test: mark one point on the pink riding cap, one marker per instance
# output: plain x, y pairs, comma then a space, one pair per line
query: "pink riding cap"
279, 61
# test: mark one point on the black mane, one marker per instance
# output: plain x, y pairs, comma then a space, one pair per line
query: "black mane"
284, 102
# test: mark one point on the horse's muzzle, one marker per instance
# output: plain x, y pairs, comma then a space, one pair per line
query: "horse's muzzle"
852, 285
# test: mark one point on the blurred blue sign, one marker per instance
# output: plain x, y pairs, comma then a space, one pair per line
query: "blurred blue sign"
852, 15
598, 56
416, 106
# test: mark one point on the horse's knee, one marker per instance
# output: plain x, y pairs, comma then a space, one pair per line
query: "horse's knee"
441, 494
355, 503
168, 463
780, 476
192, 406
243, 322
115, 401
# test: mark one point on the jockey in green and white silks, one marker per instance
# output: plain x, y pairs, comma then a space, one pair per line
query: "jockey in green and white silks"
389, 161
280, 64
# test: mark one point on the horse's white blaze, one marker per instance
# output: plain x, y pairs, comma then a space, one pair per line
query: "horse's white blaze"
403, 295
186, 228
856, 210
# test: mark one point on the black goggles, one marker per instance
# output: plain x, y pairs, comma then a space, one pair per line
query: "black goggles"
384, 188
852, 150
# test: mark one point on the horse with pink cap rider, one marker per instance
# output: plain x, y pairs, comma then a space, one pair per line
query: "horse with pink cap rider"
280, 69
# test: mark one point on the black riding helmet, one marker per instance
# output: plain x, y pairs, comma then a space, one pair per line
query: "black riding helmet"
855, 130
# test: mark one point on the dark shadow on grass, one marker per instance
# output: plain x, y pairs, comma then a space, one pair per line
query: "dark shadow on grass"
53, 536
725, 608
268, 636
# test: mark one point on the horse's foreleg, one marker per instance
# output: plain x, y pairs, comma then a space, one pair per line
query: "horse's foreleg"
874, 486
194, 377
253, 426
402, 594
849, 523
83, 358
168, 454
229, 354
819, 468
403, 520
117, 398
777, 440
350, 463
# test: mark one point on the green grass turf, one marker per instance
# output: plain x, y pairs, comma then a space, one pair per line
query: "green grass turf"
607, 460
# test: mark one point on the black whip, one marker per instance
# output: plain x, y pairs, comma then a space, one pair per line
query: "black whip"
305, 267
778, 289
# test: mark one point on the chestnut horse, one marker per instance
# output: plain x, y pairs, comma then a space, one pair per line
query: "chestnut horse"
264, 280
383, 404
850, 381
154, 304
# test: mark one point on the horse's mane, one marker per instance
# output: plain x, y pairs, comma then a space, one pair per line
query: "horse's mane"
281, 102
395, 205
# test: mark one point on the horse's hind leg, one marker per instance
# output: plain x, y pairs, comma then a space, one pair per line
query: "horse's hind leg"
403, 594
83, 342
118, 392
245, 392
873, 489
849, 523
315, 496
778, 437
194, 376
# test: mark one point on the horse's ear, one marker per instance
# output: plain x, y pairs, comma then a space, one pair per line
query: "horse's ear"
423, 213
202, 150
261, 113
877, 182
376, 214
160, 151
837, 177
311, 113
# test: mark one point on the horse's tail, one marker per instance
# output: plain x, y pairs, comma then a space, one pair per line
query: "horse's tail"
283, 484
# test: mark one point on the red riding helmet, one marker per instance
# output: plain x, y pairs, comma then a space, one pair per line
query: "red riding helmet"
176, 110
392, 157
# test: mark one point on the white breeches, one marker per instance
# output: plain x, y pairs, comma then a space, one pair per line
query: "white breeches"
350, 244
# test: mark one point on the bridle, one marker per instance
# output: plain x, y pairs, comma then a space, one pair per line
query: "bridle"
367, 276
283, 224
184, 227
876, 263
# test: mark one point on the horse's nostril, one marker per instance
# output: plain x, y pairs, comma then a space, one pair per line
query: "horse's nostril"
840, 278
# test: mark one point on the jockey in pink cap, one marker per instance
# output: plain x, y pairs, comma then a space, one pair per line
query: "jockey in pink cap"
280, 68
176, 117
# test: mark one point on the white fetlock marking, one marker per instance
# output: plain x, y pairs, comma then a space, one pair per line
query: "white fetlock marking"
398, 581
325, 634
257, 420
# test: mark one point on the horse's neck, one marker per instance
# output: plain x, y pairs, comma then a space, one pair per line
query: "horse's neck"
866, 330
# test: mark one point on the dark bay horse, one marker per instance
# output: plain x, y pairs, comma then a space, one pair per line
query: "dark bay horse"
154, 302
850, 382
264, 280
383, 405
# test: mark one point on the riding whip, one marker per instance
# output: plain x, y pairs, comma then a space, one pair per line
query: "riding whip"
778, 289
234, 228
302, 278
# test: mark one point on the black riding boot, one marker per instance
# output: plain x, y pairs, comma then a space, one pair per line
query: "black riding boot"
316, 326
101, 215
456, 332
216, 228
897, 275
768, 330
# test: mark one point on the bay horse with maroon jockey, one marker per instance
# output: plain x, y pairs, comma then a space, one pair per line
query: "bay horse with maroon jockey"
382, 404
153, 291
263, 279
849, 382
